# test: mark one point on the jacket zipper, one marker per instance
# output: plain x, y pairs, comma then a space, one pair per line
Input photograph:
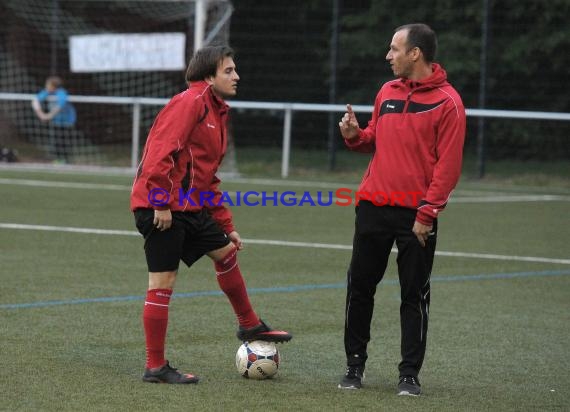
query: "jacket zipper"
408, 98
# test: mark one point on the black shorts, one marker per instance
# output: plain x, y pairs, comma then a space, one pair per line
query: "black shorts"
191, 236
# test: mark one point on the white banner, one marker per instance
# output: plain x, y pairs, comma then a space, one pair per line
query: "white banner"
127, 52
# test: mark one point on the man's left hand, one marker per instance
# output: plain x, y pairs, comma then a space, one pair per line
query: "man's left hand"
422, 232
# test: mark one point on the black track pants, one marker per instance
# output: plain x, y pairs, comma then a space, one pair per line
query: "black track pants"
376, 230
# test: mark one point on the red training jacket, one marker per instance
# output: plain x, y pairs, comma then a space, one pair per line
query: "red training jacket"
183, 151
416, 133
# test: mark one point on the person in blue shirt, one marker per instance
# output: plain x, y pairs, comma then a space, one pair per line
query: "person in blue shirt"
52, 105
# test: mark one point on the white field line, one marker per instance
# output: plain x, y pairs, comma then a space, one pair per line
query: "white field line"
509, 198
324, 195
226, 177
112, 232
63, 185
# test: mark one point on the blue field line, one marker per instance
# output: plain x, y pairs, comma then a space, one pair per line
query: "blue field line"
287, 289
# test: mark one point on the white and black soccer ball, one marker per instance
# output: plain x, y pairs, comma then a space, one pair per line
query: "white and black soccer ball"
257, 359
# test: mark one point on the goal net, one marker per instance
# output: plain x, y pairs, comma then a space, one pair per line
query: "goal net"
98, 48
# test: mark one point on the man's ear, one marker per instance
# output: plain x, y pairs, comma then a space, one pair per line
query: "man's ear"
210, 80
416, 53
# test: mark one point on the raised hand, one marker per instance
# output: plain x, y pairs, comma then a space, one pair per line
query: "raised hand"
348, 124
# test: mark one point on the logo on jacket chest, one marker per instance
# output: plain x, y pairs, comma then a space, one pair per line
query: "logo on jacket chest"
392, 106
397, 106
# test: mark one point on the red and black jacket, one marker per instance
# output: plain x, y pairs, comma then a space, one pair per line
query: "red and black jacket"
183, 151
416, 133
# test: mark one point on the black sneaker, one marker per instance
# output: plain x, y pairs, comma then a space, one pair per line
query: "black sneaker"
353, 377
263, 332
168, 374
409, 386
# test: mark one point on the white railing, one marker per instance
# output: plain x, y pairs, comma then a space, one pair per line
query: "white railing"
287, 108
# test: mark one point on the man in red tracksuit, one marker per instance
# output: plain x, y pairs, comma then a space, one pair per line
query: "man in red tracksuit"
178, 209
416, 135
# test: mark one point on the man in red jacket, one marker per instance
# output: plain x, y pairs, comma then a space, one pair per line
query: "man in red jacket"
179, 210
416, 135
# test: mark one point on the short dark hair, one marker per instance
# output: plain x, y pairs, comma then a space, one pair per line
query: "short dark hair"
204, 63
420, 35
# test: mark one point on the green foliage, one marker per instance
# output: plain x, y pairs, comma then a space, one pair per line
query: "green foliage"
528, 58
284, 55
526, 65
367, 34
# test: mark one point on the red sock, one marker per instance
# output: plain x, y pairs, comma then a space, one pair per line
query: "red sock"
155, 321
232, 284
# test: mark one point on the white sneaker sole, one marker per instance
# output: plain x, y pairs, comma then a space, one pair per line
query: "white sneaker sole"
406, 393
348, 387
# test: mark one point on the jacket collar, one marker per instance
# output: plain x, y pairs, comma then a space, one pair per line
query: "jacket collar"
205, 89
436, 79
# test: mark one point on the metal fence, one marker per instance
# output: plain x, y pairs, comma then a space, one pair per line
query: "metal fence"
137, 103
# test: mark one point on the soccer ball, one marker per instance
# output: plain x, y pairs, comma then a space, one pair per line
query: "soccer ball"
257, 359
